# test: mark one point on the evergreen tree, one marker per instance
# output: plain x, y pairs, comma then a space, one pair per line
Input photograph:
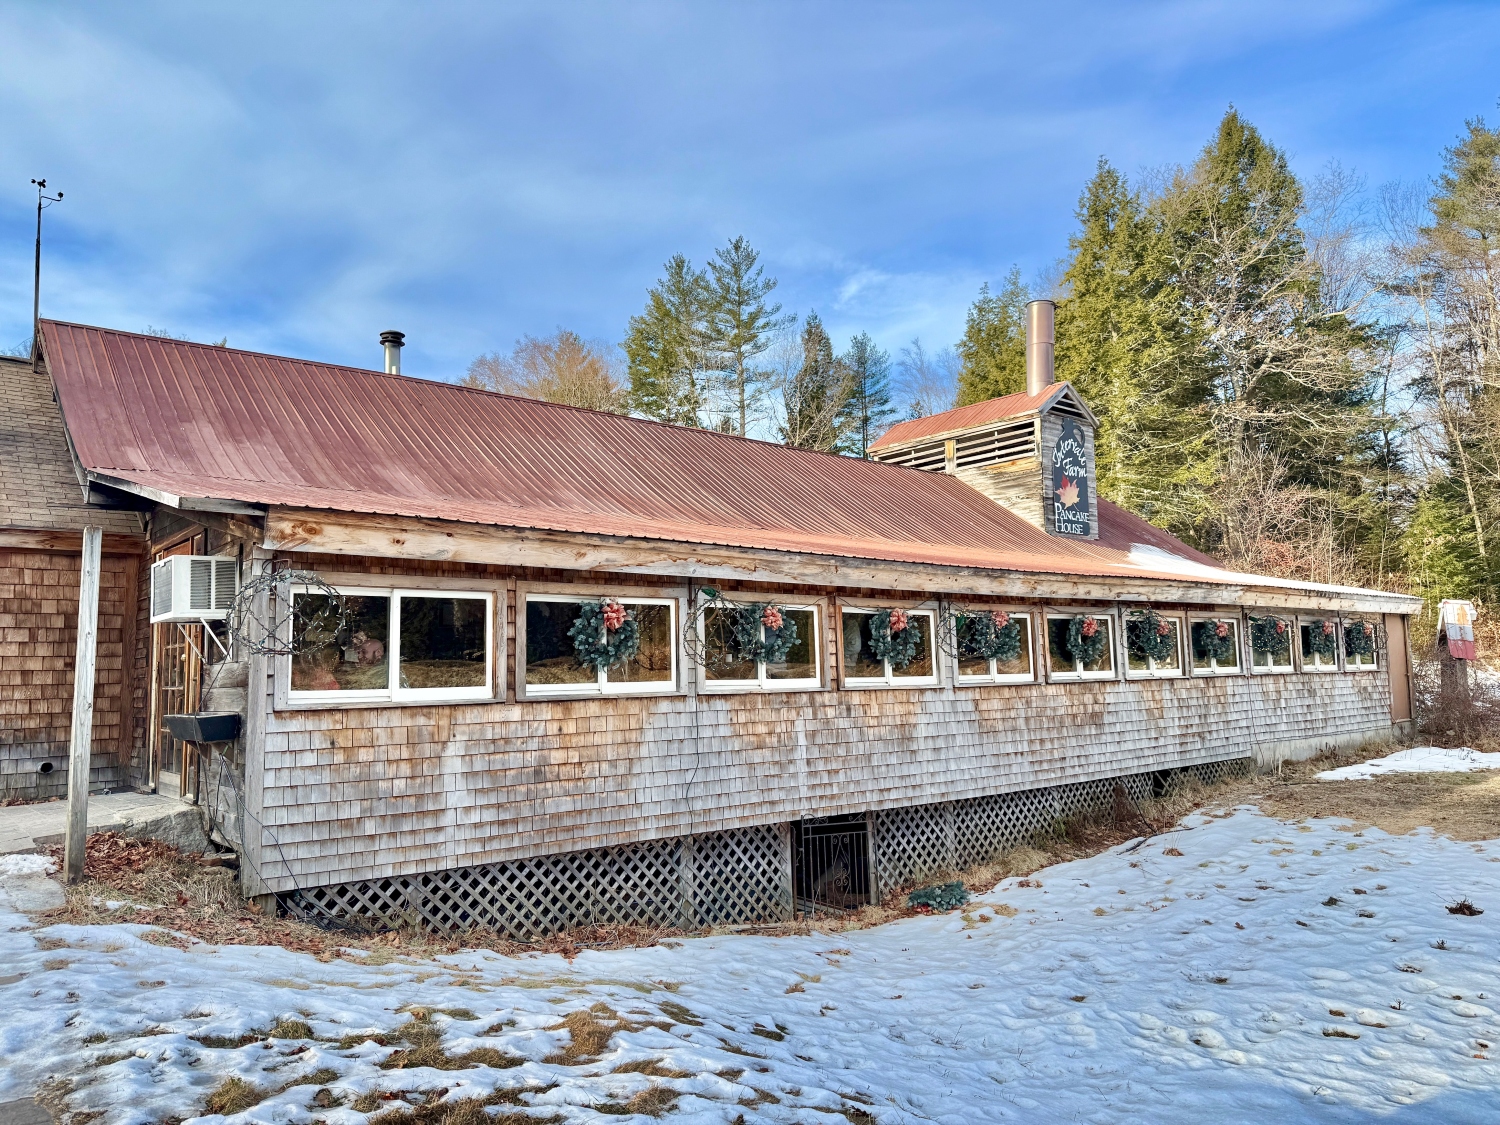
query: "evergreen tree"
1452, 288
868, 412
815, 398
740, 324
1122, 340
665, 345
993, 348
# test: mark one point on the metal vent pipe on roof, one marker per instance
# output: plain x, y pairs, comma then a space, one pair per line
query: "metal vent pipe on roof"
394, 341
1041, 372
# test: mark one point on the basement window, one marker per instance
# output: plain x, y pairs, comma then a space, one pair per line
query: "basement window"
983, 631
552, 666
865, 666
391, 645
1215, 643
1153, 646
1092, 659
743, 649
1320, 644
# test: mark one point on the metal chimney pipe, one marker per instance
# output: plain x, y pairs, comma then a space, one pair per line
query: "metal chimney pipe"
1041, 372
395, 341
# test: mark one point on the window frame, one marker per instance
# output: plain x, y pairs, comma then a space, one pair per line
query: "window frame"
1360, 666
1152, 672
1287, 669
393, 695
601, 688
890, 679
1240, 645
761, 684
965, 679
1079, 675
1315, 665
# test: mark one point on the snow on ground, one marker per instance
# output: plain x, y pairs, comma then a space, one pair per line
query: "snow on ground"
1417, 759
1241, 969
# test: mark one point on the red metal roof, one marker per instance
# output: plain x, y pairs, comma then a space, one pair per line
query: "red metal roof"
975, 414
194, 420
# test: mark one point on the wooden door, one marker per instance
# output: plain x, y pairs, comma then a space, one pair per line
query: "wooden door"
176, 677
1398, 662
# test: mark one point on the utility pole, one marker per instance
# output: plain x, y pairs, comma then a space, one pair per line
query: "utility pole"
42, 200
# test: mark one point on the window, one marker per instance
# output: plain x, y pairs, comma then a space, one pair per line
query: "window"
1361, 645
1080, 647
877, 652
1215, 645
1270, 644
994, 647
391, 645
553, 641
745, 649
1153, 645
1320, 645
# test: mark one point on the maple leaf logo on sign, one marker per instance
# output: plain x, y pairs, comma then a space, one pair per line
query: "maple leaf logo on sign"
1070, 483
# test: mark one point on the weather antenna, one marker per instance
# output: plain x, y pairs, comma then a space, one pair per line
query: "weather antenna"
42, 200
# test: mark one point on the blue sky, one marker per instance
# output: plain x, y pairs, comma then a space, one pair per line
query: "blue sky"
297, 177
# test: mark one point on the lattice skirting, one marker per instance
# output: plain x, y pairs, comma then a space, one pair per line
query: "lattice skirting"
918, 842
712, 878
718, 878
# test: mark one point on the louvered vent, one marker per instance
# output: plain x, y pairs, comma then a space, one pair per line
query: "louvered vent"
932, 457
193, 588
990, 447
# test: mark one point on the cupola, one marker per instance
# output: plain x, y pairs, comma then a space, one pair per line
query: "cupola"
1033, 452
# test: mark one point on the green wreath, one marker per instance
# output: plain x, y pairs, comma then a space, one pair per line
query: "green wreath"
1149, 634
989, 636
1086, 640
1323, 637
887, 642
754, 634
1272, 636
1213, 639
1359, 638
598, 645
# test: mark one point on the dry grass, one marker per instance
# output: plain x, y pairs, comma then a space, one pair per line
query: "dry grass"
466, 1111
652, 1102
234, 1095
652, 1068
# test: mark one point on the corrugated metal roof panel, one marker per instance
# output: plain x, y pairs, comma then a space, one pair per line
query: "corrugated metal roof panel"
201, 421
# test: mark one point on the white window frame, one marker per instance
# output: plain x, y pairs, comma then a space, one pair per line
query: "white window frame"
1151, 671
1315, 663
1350, 664
1294, 645
1079, 675
393, 693
601, 687
762, 683
1240, 646
968, 679
891, 679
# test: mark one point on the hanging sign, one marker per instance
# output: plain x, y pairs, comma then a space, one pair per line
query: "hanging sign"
1070, 483
1456, 627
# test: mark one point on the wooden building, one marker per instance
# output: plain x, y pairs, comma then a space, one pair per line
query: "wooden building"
531, 666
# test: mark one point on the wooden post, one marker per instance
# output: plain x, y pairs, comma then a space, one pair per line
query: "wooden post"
81, 736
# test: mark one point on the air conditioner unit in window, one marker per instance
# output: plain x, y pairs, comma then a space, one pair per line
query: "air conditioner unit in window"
193, 588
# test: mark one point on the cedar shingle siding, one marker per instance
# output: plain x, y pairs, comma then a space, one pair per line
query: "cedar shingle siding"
39, 491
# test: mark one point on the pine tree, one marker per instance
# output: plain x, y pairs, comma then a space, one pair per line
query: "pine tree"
815, 398
993, 348
868, 411
1123, 342
665, 345
740, 324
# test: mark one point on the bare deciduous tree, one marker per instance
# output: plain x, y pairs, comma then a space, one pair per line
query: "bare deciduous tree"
561, 368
